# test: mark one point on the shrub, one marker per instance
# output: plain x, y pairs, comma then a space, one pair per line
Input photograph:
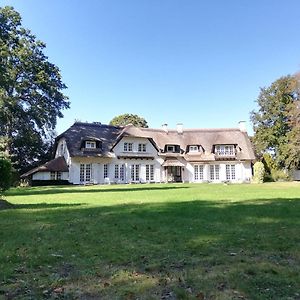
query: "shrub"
279, 175
259, 172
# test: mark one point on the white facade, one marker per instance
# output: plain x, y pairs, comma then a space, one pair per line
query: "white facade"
136, 160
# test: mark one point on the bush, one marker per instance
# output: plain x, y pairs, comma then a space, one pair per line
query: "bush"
5, 174
279, 175
259, 172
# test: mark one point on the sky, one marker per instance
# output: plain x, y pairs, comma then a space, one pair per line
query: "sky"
200, 63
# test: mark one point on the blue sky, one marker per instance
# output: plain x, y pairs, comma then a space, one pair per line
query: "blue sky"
200, 63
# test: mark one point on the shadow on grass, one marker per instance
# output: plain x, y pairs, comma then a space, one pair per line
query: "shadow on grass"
249, 249
83, 189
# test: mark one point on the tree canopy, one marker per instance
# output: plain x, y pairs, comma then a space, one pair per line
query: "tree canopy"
276, 123
31, 97
126, 119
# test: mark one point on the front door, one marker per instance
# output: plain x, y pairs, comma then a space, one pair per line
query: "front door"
174, 174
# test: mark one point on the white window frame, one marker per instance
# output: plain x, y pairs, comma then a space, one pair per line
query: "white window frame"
149, 172
128, 147
105, 171
225, 150
193, 148
198, 172
142, 147
169, 147
214, 172
230, 172
90, 144
85, 173
120, 172
135, 173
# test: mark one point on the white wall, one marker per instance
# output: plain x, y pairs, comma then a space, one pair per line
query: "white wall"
62, 150
47, 176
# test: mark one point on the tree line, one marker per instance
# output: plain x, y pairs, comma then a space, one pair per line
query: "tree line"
32, 99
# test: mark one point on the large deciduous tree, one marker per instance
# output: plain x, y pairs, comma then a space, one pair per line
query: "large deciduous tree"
276, 122
126, 119
31, 97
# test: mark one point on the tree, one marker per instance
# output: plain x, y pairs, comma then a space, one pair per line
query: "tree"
5, 174
31, 97
259, 172
274, 122
126, 119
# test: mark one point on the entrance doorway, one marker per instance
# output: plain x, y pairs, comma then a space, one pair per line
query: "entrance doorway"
174, 174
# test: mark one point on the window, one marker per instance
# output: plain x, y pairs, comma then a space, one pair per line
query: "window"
55, 175
170, 148
230, 172
224, 150
85, 172
120, 172
128, 147
193, 148
105, 171
214, 172
149, 172
52, 175
90, 144
61, 149
135, 172
198, 172
142, 148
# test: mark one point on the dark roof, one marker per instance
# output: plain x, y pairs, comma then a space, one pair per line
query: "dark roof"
111, 135
79, 132
55, 165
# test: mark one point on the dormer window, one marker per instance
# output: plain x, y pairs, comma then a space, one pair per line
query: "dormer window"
224, 150
90, 144
170, 148
193, 148
128, 147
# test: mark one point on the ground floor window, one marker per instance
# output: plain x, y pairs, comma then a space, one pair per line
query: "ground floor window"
120, 172
55, 175
149, 172
198, 172
85, 172
230, 172
214, 171
135, 172
105, 171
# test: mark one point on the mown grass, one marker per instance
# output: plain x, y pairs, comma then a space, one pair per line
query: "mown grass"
181, 241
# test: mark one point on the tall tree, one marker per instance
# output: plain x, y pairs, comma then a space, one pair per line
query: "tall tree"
125, 119
31, 97
274, 122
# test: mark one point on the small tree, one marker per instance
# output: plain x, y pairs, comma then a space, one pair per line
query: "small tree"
259, 172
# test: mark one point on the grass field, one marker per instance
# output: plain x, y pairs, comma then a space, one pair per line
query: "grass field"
179, 241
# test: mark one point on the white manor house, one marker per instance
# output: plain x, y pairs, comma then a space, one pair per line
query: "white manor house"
94, 153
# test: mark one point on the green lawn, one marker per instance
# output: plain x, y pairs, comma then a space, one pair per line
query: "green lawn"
179, 241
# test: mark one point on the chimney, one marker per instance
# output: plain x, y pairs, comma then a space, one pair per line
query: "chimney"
164, 127
179, 128
242, 126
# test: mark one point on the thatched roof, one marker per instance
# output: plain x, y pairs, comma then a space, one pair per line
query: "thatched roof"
111, 135
55, 165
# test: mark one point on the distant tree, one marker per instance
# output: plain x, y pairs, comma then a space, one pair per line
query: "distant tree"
276, 123
126, 119
31, 97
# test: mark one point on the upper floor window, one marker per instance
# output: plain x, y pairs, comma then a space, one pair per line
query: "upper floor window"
193, 148
90, 144
224, 150
142, 148
170, 148
61, 149
128, 147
